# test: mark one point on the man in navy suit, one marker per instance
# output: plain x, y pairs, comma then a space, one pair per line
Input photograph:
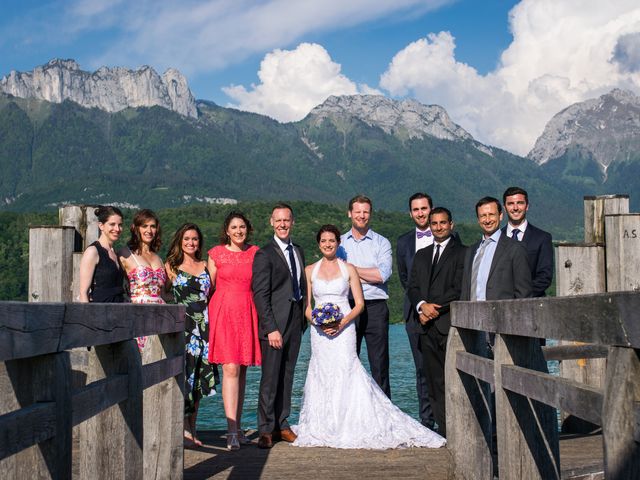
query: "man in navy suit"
536, 241
408, 244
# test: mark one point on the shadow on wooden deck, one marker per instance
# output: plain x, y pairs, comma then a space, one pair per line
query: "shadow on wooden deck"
581, 459
285, 461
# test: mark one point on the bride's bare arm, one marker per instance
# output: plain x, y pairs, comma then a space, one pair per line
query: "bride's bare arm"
358, 297
307, 311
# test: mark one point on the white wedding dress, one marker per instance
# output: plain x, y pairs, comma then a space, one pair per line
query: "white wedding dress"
342, 406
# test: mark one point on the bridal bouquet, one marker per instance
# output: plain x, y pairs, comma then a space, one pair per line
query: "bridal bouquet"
326, 315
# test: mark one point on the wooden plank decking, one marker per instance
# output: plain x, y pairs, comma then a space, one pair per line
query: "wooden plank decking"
580, 457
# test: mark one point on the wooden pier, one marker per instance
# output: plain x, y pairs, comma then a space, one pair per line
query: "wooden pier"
109, 412
581, 454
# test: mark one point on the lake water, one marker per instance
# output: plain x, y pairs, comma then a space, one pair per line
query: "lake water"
401, 371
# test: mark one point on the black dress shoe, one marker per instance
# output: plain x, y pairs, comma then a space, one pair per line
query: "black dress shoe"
265, 441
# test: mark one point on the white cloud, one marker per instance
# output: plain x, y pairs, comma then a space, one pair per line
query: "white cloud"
562, 53
292, 82
199, 36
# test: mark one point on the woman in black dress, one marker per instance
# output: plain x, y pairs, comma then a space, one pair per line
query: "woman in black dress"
191, 287
101, 275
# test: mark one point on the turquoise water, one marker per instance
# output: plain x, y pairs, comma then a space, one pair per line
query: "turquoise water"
402, 378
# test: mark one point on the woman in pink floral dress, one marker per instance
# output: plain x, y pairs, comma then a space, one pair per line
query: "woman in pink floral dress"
144, 267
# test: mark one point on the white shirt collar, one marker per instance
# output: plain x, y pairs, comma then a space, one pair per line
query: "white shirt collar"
283, 246
522, 227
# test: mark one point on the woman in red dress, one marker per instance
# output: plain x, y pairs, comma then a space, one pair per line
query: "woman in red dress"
233, 320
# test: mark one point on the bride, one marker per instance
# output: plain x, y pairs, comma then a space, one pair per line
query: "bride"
342, 406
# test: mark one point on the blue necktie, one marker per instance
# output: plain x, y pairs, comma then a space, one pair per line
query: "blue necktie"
514, 233
294, 273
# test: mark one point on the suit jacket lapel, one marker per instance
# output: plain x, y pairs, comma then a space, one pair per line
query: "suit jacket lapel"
280, 253
446, 252
501, 248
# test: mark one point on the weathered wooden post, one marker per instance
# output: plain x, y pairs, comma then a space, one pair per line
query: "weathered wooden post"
596, 208
163, 410
50, 263
468, 400
581, 270
112, 440
82, 218
527, 430
622, 233
36, 382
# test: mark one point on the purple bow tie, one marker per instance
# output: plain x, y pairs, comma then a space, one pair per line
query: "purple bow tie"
420, 234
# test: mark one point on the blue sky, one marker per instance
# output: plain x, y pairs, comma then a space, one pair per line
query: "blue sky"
501, 68
364, 50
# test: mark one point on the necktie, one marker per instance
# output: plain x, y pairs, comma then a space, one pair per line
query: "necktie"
294, 273
475, 268
436, 257
514, 233
426, 233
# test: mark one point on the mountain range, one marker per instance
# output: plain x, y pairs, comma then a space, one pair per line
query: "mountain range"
136, 138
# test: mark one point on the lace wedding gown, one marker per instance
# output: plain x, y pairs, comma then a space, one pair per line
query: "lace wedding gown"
342, 406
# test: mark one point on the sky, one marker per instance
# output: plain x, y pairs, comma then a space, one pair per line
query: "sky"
501, 68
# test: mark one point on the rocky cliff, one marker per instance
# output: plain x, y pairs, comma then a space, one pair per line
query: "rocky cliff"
605, 129
406, 119
109, 89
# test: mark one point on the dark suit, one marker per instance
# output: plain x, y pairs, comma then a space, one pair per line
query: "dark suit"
509, 276
277, 310
540, 252
440, 284
405, 251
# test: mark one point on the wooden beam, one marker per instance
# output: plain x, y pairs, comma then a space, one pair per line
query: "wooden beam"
573, 352
99, 396
479, 367
578, 399
603, 318
157, 372
29, 329
528, 445
26, 427
32, 329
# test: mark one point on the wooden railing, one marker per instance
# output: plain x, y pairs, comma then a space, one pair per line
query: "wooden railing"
119, 412
526, 396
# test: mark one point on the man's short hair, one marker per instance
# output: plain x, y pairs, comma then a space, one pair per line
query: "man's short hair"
486, 200
281, 205
515, 191
440, 210
360, 199
419, 195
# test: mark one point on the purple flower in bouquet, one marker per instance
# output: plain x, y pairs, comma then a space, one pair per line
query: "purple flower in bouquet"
326, 314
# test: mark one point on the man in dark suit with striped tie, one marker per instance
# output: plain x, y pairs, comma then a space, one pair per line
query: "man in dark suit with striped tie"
536, 241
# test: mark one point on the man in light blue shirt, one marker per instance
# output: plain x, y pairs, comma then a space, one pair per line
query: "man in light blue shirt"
496, 267
370, 253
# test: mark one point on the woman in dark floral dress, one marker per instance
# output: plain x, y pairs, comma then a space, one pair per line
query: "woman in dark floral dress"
191, 285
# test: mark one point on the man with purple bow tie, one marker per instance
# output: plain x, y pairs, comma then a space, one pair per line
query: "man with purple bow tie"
420, 205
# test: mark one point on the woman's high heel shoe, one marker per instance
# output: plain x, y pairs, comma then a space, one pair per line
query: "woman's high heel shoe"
232, 441
242, 438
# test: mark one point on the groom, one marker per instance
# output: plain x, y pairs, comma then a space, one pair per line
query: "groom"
279, 287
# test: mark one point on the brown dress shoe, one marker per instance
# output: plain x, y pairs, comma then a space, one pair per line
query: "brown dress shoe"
265, 441
287, 435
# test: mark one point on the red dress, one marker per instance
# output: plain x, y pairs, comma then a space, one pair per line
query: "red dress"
233, 320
